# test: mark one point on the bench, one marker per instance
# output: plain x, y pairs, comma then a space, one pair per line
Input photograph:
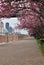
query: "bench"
42, 41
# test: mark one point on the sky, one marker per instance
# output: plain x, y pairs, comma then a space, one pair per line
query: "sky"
13, 22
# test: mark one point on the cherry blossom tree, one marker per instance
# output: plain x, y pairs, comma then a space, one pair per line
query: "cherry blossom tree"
12, 8
7, 8
32, 18
30, 13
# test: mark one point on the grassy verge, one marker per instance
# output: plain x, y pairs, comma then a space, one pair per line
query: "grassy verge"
40, 47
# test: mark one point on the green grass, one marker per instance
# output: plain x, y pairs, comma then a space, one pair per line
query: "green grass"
38, 41
40, 47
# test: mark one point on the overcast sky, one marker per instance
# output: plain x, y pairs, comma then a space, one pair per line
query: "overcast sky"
13, 22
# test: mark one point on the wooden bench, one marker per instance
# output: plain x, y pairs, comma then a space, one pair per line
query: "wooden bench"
42, 39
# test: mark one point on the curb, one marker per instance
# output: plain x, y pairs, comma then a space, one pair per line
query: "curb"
2, 43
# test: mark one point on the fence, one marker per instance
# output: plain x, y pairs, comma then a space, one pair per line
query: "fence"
8, 37
11, 37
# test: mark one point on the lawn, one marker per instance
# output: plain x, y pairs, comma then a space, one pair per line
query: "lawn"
40, 46
42, 49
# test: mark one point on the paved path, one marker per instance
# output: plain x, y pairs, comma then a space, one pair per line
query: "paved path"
22, 52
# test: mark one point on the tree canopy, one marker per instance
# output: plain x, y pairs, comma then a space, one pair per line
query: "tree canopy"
30, 13
12, 8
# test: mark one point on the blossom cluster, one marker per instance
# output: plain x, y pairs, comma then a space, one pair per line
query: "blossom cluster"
6, 9
30, 13
31, 18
